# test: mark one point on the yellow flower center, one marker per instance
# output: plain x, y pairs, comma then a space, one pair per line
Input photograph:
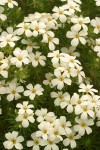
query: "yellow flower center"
50, 142
61, 79
25, 116
61, 96
51, 121
8, 40
80, 22
58, 55
13, 91
33, 90
36, 58
93, 101
49, 39
83, 124
87, 89
72, 7
60, 12
79, 101
36, 142
37, 28
85, 109
50, 79
68, 70
63, 125
9, 1
20, 58
25, 27
14, 141
25, 107
72, 60
98, 27
30, 43
71, 137
56, 132
45, 131
49, 19
77, 35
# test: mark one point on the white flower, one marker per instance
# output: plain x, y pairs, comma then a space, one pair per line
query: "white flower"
4, 60
65, 125
60, 80
8, 38
60, 13
51, 118
51, 23
45, 130
13, 140
96, 23
24, 28
97, 2
2, 16
77, 100
56, 56
32, 17
85, 111
38, 28
33, 91
49, 38
2, 2
25, 108
77, 36
87, 89
3, 86
72, 6
70, 72
73, 62
41, 114
83, 125
50, 144
80, 22
37, 59
67, 102
70, 51
35, 142
21, 57
59, 97
80, 74
25, 119
97, 47
57, 132
49, 77
30, 45
11, 3
95, 101
3, 70
13, 91
70, 140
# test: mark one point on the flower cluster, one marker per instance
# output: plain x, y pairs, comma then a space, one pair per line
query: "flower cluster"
25, 114
36, 69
